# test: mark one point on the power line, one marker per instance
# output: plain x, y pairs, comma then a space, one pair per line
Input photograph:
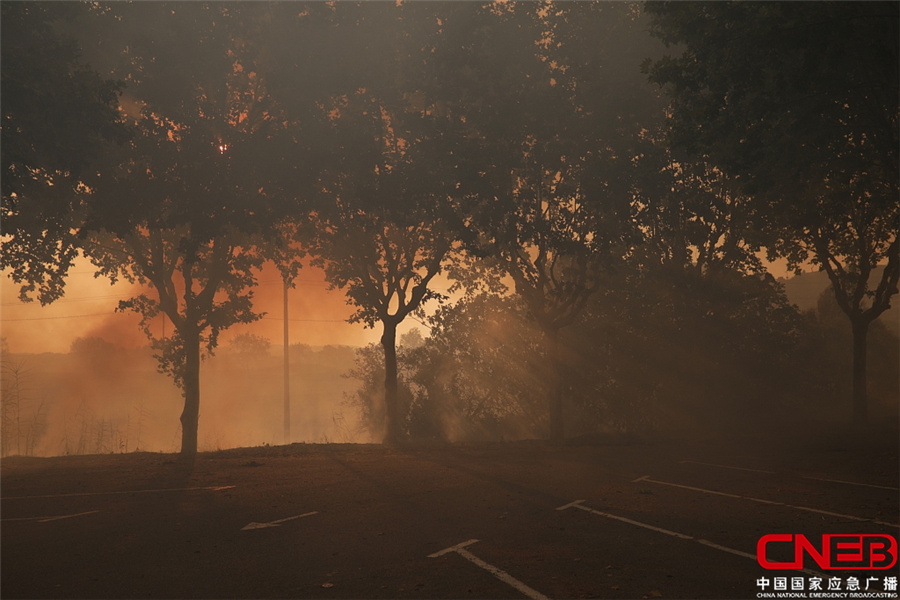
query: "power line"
107, 314
66, 300
296, 281
119, 297
306, 320
104, 314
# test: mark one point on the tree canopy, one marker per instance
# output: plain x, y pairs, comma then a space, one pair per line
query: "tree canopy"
58, 114
592, 211
798, 104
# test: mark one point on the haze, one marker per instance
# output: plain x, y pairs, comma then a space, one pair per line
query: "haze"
501, 221
449, 299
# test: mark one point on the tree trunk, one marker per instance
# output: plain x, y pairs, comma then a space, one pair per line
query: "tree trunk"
392, 410
860, 395
190, 417
555, 391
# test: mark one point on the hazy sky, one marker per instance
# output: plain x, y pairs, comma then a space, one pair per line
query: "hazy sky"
318, 316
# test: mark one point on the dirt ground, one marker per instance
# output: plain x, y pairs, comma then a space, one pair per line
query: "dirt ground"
655, 519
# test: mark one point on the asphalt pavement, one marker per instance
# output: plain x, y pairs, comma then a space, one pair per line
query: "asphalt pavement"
590, 519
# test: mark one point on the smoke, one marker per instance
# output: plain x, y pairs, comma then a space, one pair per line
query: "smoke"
86, 310
317, 316
102, 398
243, 398
89, 383
98, 398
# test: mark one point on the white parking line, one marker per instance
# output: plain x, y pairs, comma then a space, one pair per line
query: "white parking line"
276, 523
578, 504
881, 487
47, 519
871, 485
498, 573
216, 488
725, 466
762, 501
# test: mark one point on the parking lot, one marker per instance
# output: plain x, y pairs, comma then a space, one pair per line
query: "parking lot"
598, 518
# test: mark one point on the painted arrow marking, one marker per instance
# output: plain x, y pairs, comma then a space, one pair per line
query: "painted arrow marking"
276, 523
498, 573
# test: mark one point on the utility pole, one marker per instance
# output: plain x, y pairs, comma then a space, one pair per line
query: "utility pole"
287, 370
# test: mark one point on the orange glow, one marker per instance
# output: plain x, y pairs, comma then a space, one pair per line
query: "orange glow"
87, 309
318, 316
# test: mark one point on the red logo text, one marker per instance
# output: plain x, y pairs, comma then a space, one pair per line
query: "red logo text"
835, 551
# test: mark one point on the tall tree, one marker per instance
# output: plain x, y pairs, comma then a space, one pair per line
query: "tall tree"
57, 115
553, 118
187, 206
382, 227
382, 238
555, 248
693, 219
204, 169
798, 104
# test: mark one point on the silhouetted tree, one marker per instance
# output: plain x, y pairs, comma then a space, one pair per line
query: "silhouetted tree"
57, 115
385, 260
206, 218
798, 104
482, 372
186, 206
554, 120
831, 347
383, 224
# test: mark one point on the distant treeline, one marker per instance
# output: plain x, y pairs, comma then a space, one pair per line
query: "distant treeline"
672, 355
100, 398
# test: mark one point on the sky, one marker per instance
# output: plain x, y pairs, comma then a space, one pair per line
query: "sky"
317, 315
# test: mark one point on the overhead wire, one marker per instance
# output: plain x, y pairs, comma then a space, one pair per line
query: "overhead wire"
120, 297
106, 314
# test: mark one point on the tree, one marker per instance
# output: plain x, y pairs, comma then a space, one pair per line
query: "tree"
831, 344
555, 252
385, 258
383, 225
250, 346
554, 120
187, 207
481, 374
206, 215
369, 398
798, 105
57, 116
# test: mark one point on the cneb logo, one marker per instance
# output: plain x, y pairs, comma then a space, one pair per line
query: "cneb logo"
836, 551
